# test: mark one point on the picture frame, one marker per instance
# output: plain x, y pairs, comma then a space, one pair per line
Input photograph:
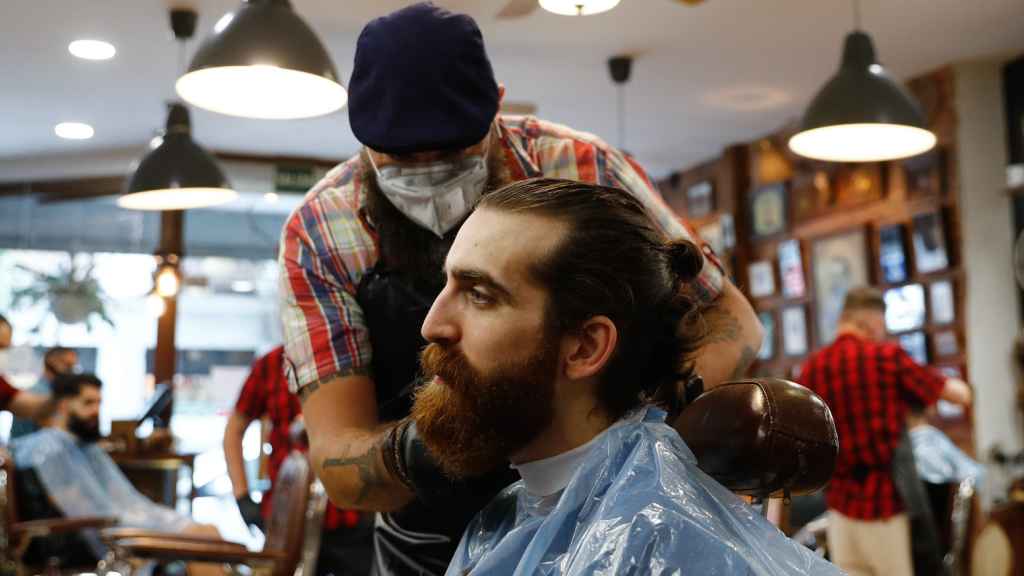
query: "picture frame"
924, 174
946, 343
916, 346
812, 192
767, 351
791, 269
942, 301
794, 331
700, 199
761, 278
904, 308
859, 183
838, 262
892, 254
768, 211
930, 243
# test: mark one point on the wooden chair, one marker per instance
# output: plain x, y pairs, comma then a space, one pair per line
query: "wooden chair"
17, 534
286, 530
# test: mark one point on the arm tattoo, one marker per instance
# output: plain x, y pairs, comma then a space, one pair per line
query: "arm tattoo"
371, 475
746, 359
307, 391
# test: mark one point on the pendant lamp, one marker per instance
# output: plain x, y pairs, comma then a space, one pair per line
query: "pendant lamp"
862, 114
177, 174
263, 61
578, 7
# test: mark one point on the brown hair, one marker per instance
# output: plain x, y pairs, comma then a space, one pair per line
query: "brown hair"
864, 298
614, 262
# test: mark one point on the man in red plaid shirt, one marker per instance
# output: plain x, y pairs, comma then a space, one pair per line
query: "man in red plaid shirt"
345, 542
869, 384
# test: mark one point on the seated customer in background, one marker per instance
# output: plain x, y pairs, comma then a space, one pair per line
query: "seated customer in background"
561, 313
937, 459
57, 360
80, 478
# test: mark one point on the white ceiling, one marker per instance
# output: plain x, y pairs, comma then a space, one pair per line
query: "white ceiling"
704, 77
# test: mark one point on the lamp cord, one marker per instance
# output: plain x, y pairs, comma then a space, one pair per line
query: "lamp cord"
856, 14
622, 115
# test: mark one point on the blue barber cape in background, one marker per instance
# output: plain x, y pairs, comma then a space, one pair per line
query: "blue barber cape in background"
638, 504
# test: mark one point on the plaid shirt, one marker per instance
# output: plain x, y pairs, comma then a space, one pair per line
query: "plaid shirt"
327, 246
265, 393
869, 387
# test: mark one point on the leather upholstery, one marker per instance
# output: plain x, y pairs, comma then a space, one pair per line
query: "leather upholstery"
762, 437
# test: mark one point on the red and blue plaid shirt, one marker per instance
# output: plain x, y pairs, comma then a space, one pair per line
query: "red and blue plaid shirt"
327, 246
265, 393
869, 387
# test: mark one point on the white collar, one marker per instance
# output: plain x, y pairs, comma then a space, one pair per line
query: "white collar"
551, 475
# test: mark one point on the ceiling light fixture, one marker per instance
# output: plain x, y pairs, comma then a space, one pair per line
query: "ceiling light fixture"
92, 49
74, 131
578, 7
176, 173
862, 114
263, 61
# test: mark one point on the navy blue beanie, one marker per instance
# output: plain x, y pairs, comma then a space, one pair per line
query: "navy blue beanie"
421, 82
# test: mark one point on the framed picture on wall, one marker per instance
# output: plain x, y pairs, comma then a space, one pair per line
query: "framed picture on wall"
924, 174
794, 331
945, 344
892, 254
904, 308
812, 192
916, 345
791, 269
930, 243
943, 305
768, 211
858, 184
838, 263
762, 278
767, 351
700, 199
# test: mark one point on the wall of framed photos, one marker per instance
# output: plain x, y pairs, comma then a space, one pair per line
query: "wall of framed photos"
804, 232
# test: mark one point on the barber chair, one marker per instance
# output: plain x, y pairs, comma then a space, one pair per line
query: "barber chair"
291, 517
762, 437
50, 538
953, 511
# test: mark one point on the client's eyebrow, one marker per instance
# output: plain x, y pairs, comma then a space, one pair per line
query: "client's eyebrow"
479, 277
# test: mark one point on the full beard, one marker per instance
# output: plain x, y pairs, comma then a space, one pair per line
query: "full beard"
409, 249
472, 422
85, 429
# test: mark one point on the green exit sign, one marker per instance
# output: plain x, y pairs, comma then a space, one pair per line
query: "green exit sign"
297, 178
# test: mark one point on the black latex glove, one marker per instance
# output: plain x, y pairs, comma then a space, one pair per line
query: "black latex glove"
250, 511
408, 459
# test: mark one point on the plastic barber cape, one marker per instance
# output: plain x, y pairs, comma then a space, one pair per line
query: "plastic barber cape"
82, 480
636, 504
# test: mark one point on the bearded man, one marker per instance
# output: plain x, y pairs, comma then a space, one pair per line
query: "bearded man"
561, 317
361, 263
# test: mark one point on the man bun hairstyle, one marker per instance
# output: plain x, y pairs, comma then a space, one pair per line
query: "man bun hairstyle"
615, 262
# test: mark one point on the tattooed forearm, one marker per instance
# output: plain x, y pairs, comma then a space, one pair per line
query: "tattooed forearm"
307, 391
747, 357
370, 466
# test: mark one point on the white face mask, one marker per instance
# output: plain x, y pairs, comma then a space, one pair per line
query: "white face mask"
5, 356
436, 195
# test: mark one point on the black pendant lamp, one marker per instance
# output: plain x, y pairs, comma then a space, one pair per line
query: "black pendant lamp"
177, 174
862, 114
263, 61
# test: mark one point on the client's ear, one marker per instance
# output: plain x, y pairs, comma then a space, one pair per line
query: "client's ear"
586, 351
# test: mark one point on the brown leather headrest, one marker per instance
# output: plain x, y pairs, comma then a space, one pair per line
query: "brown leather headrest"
762, 436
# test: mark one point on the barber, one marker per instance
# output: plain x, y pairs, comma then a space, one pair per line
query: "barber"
21, 404
362, 262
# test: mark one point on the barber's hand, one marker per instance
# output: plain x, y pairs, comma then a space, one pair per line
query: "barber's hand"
250, 511
957, 391
407, 458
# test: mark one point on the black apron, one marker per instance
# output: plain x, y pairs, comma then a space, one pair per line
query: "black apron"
418, 539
